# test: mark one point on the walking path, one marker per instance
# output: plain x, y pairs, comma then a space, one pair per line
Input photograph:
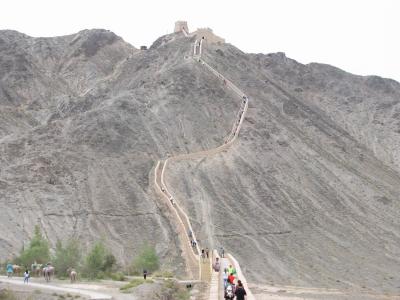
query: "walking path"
83, 292
191, 257
224, 265
192, 254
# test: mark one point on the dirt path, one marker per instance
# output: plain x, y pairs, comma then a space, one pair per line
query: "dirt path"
56, 288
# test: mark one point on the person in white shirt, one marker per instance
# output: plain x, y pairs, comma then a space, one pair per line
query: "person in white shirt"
26, 276
225, 277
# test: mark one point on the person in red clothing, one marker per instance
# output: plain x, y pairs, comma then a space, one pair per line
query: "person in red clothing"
231, 278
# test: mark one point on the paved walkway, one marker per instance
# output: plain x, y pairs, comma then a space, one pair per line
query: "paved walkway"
224, 265
238, 121
192, 254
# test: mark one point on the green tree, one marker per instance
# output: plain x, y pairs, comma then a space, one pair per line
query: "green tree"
109, 262
94, 260
147, 258
98, 260
6, 294
67, 257
38, 250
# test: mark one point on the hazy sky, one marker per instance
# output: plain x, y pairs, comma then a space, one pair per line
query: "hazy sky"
359, 36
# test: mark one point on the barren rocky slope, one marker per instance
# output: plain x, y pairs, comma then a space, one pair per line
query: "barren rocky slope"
84, 118
309, 195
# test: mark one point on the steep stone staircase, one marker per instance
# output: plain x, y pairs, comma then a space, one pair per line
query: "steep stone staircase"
200, 267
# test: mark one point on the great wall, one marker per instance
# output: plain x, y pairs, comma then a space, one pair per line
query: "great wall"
196, 265
305, 200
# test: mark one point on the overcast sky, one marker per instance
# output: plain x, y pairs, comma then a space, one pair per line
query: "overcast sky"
359, 36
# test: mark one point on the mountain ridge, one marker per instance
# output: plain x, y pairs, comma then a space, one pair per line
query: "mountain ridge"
316, 164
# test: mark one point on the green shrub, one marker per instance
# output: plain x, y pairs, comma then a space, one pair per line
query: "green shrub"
118, 276
101, 275
6, 294
134, 283
109, 262
67, 257
163, 274
146, 259
38, 251
95, 260
98, 262
3, 268
172, 290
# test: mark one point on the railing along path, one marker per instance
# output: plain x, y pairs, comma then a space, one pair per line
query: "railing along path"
180, 214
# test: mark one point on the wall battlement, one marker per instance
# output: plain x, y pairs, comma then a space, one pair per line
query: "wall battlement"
206, 33
181, 25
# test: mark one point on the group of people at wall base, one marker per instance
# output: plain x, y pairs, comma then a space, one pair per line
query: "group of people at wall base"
232, 288
11, 269
47, 270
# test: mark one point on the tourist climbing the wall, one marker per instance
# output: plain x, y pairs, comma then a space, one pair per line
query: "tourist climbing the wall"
216, 265
222, 252
231, 278
207, 252
230, 269
234, 271
198, 48
240, 292
225, 277
229, 293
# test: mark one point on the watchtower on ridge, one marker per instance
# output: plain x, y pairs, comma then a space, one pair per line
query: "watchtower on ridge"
180, 26
208, 35
201, 33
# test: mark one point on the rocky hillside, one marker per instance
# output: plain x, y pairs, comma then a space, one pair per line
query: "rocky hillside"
83, 120
309, 195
